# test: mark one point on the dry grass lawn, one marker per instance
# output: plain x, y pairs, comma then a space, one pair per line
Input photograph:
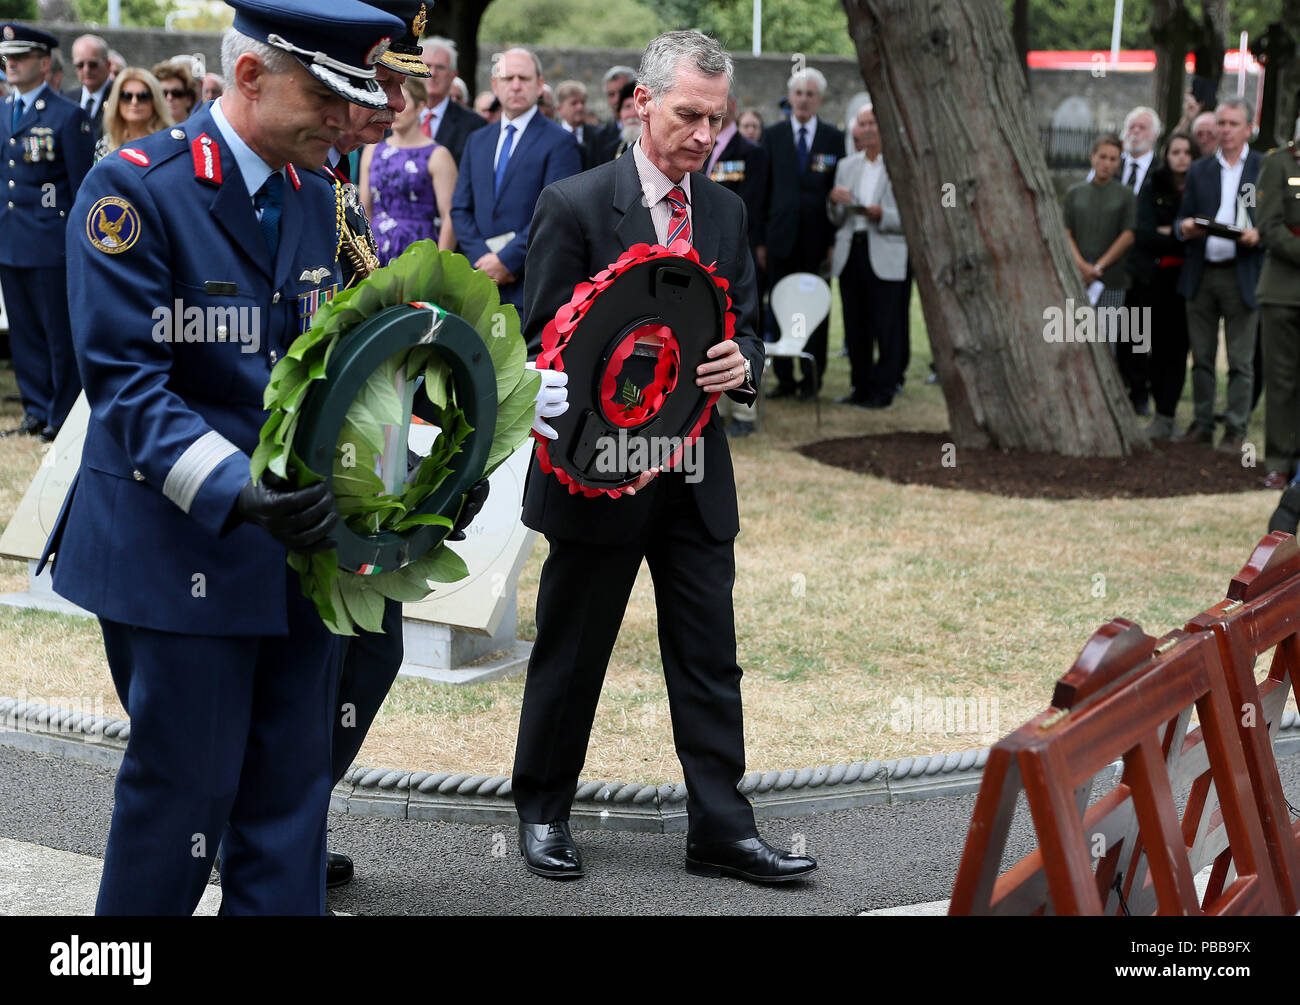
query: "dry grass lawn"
854, 596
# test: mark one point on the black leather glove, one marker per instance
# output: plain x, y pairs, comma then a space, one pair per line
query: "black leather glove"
474, 500
300, 519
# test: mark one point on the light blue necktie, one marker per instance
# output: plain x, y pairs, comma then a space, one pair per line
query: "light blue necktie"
504, 159
19, 108
268, 201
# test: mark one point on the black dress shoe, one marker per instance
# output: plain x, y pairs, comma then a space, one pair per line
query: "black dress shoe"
30, 426
782, 391
48, 434
851, 399
752, 859
338, 869
549, 851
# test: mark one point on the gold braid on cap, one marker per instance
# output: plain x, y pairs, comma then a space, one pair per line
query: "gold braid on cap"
404, 63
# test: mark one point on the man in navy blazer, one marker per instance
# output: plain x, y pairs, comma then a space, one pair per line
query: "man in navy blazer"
1220, 274
504, 170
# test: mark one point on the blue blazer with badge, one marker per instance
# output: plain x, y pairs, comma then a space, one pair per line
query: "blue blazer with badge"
1201, 195
53, 144
543, 153
162, 232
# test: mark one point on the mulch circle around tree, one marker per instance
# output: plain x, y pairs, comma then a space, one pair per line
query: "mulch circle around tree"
912, 458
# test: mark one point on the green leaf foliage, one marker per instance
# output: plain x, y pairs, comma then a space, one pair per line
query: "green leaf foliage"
447, 281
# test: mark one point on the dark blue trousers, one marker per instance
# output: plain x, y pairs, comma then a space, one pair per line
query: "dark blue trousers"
368, 665
230, 746
40, 340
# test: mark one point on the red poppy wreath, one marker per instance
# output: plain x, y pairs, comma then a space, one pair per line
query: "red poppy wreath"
630, 339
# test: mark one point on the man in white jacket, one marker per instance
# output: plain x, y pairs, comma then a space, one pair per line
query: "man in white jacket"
870, 259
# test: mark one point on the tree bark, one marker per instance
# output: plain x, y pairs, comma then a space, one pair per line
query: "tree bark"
1210, 50
985, 232
1020, 32
1173, 29
459, 22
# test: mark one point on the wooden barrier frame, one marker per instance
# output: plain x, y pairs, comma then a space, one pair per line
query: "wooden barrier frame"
1262, 612
1131, 698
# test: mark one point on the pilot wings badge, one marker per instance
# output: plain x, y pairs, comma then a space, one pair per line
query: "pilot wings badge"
314, 276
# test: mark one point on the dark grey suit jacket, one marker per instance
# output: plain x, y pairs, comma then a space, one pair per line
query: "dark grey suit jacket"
454, 129
581, 225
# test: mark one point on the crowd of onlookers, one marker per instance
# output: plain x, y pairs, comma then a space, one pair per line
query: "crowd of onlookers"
1178, 232
819, 201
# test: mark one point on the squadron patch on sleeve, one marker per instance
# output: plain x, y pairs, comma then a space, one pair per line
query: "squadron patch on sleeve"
113, 225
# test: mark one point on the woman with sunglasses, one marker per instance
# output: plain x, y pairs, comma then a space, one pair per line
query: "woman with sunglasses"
179, 88
134, 110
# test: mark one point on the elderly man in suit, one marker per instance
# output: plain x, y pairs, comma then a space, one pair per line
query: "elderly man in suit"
606, 139
870, 259
684, 531
572, 117
90, 60
503, 172
803, 151
1221, 273
443, 120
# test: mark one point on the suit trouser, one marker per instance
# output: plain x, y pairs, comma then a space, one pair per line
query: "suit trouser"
230, 746
875, 325
368, 665
1282, 379
40, 340
783, 367
1134, 366
1218, 295
580, 604
1168, 341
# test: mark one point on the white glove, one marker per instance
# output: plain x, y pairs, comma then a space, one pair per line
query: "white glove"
552, 400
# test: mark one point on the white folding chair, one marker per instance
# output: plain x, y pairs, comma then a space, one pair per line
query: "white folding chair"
800, 301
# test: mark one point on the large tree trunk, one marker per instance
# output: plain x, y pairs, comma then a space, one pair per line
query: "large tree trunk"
1173, 30
984, 231
459, 22
1020, 33
1209, 49
1276, 50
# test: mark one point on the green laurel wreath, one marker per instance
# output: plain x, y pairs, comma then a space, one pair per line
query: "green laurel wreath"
365, 501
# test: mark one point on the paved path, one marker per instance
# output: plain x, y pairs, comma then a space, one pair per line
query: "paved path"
900, 859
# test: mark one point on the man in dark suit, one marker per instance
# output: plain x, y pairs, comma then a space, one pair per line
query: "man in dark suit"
504, 170
442, 119
90, 60
803, 151
683, 529
571, 114
1220, 274
741, 167
616, 78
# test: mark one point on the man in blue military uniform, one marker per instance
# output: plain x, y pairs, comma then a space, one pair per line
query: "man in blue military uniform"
188, 255
46, 147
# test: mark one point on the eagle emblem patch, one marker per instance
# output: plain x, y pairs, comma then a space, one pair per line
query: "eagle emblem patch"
113, 225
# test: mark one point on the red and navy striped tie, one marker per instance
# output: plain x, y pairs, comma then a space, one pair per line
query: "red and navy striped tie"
679, 224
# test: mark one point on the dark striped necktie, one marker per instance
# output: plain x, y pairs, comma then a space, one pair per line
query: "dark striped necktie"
679, 224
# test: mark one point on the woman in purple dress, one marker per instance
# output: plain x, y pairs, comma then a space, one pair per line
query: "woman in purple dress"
407, 182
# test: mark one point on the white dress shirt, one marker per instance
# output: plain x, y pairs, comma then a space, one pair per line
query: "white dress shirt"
577, 133
1143, 166
434, 115
810, 125
656, 185
1220, 249
98, 96
520, 124
868, 182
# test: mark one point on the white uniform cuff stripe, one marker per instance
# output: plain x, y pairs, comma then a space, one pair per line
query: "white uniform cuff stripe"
190, 472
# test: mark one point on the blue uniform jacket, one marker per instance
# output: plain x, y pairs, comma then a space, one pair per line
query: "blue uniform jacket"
54, 145
175, 421
543, 153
